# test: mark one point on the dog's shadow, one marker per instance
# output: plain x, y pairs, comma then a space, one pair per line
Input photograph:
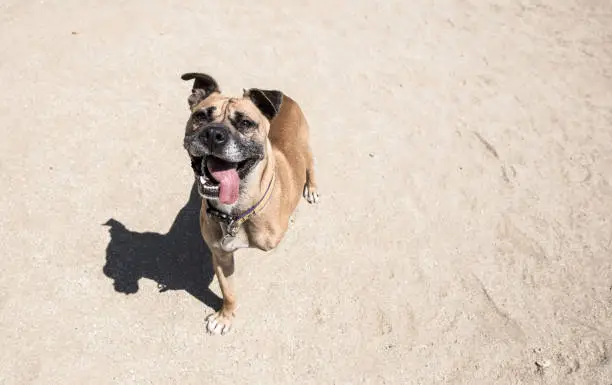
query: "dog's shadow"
178, 260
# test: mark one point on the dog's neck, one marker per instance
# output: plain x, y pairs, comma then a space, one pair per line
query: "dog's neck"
253, 187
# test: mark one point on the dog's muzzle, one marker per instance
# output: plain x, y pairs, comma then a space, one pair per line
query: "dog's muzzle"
220, 161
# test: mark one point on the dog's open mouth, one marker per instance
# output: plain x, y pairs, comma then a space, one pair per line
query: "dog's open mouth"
220, 179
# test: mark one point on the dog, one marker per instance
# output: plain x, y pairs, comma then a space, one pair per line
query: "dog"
252, 163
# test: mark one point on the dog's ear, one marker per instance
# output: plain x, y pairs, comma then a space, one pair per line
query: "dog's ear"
268, 101
203, 86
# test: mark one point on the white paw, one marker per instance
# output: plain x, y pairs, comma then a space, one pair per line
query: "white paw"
311, 194
217, 323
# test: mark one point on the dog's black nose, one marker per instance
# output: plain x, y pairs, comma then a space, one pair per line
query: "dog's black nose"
215, 135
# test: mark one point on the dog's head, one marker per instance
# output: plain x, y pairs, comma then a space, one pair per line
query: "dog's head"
226, 137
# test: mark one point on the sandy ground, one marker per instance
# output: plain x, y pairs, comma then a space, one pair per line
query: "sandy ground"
464, 154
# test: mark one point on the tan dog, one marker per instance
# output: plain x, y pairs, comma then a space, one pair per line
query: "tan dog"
252, 162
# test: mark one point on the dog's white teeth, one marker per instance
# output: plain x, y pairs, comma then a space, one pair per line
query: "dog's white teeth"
202, 180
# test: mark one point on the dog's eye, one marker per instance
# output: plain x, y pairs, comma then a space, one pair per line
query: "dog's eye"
200, 115
204, 115
199, 118
246, 123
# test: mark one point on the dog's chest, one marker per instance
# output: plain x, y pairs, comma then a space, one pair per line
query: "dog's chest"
231, 243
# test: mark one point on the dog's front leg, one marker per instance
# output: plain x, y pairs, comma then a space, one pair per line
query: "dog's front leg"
221, 321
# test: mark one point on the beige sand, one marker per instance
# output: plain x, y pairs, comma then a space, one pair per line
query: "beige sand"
464, 154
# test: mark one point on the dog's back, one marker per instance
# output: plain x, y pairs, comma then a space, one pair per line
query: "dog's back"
289, 137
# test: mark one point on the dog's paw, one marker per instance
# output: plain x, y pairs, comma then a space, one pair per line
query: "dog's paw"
311, 194
219, 323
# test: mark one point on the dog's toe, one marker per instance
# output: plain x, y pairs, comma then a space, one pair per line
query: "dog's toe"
311, 194
218, 323
313, 197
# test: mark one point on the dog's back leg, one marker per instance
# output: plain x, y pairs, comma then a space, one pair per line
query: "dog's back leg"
311, 193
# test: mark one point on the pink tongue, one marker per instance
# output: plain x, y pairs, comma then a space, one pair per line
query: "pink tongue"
225, 173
